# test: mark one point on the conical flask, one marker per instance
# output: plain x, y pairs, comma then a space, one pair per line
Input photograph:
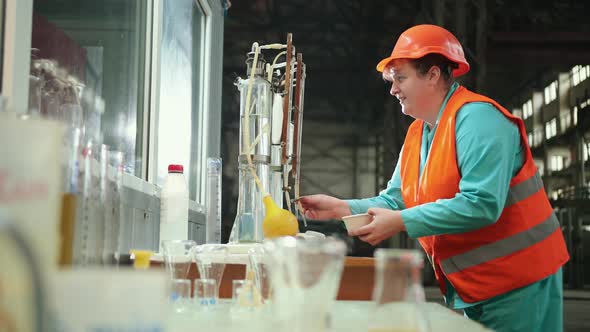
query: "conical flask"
247, 226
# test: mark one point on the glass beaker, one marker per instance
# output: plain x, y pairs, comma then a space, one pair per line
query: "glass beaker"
180, 294
398, 294
305, 276
243, 296
206, 293
259, 263
178, 257
210, 259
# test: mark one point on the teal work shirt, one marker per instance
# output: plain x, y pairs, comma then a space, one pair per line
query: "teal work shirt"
489, 154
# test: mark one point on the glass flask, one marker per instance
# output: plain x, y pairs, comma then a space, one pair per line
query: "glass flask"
398, 294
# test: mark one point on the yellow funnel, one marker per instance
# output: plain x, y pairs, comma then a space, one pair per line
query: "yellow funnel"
278, 222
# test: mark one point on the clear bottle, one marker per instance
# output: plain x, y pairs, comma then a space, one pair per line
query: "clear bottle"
398, 295
174, 206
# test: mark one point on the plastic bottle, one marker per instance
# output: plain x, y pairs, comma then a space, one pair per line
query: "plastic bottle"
174, 206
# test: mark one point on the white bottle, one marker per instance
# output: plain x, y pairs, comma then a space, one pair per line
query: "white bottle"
174, 206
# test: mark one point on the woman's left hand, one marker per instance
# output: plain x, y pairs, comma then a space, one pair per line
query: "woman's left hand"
386, 223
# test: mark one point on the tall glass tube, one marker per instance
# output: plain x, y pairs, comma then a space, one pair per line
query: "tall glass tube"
213, 199
255, 129
113, 207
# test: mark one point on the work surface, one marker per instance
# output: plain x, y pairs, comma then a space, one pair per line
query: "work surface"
346, 316
356, 282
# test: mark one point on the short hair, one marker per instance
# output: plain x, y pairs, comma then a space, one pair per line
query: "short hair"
423, 65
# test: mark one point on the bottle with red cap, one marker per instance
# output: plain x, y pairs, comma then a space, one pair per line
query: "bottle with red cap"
174, 206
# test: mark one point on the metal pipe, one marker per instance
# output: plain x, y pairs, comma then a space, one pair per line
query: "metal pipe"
287, 100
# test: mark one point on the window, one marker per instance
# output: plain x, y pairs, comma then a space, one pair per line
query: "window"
143, 72
551, 128
575, 115
530, 138
182, 93
580, 73
586, 151
566, 121
527, 109
538, 133
517, 112
576, 75
550, 92
540, 166
98, 48
556, 163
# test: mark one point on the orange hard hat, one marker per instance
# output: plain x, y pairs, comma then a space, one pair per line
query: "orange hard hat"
424, 39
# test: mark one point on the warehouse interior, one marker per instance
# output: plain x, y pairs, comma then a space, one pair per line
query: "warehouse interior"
530, 56
153, 90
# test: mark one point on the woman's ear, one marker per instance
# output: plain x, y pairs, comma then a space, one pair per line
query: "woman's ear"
434, 75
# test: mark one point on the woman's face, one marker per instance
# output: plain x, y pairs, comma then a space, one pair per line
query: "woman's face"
411, 89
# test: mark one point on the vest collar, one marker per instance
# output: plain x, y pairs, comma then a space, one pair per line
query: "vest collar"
452, 90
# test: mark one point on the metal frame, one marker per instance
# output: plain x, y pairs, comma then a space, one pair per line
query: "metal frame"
153, 84
208, 117
18, 26
151, 68
204, 92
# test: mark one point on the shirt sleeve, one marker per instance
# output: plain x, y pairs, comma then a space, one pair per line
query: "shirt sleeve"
389, 198
488, 154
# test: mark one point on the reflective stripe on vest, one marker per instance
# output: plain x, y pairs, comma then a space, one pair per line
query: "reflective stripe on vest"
512, 243
501, 248
524, 189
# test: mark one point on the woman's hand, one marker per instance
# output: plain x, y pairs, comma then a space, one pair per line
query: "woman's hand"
386, 223
324, 207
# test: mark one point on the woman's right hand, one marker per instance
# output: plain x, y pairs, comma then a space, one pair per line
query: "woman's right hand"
324, 207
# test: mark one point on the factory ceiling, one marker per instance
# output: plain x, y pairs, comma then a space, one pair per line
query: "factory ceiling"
508, 43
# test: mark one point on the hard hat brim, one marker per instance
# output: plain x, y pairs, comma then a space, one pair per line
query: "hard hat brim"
383, 63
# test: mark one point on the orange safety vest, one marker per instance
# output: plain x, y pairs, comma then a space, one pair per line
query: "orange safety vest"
523, 246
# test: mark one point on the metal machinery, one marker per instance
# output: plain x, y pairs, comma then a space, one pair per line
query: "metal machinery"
271, 114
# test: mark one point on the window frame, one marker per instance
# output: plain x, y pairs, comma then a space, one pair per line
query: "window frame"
206, 118
17, 47
18, 27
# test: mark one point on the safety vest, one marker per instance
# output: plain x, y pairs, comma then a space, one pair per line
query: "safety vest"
523, 246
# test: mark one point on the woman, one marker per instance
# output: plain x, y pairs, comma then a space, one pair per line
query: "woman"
467, 188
